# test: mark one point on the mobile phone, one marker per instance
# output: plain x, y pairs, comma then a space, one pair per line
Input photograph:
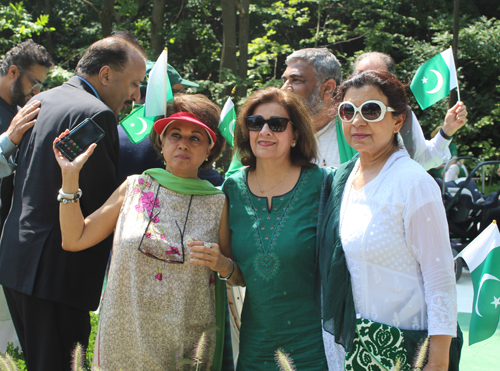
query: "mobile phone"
79, 139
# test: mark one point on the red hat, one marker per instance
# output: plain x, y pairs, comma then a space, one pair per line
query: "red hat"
162, 125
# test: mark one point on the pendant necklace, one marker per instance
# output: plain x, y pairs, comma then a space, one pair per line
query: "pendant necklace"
274, 186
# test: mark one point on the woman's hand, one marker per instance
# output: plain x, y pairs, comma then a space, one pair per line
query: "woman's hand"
209, 255
439, 353
75, 165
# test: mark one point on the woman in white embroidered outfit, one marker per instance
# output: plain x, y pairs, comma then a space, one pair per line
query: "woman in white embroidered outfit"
157, 302
393, 228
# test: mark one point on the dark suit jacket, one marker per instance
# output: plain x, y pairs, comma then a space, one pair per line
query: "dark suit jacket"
31, 258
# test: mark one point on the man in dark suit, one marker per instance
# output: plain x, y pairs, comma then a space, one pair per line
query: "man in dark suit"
50, 291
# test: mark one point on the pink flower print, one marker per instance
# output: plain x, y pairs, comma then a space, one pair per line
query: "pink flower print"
149, 201
211, 281
139, 207
173, 250
136, 189
148, 234
162, 236
159, 275
141, 182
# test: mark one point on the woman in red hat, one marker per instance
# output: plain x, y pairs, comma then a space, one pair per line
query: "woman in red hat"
158, 301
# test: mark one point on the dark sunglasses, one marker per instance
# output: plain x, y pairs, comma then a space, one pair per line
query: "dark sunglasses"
36, 84
370, 111
276, 124
149, 255
173, 250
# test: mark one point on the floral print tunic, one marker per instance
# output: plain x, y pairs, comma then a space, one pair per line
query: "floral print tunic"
153, 310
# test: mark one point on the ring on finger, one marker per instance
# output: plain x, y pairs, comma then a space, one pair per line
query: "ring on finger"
207, 244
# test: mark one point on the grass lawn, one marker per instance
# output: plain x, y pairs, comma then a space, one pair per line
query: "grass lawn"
481, 356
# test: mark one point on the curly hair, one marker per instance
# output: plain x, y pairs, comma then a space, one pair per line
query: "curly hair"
306, 149
206, 111
26, 55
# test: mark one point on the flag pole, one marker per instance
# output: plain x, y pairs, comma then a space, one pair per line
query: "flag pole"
165, 67
456, 27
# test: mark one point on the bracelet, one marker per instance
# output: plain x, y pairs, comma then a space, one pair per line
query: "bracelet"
230, 274
67, 200
70, 196
444, 135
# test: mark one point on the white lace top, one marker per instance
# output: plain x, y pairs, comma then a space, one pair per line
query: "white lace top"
395, 237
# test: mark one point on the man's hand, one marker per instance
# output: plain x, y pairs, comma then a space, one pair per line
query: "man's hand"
455, 118
21, 122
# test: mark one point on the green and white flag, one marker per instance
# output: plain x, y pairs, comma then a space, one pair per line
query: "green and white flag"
137, 125
483, 259
159, 90
434, 79
227, 121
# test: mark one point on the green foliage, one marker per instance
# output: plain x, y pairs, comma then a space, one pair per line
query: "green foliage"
411, 31
17, 356
16, 25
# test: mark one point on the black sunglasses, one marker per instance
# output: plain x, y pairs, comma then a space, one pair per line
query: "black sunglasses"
173, 250
276, 124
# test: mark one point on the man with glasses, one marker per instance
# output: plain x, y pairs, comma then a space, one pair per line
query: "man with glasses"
22, 73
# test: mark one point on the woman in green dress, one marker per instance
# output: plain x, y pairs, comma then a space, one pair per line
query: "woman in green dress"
271, 231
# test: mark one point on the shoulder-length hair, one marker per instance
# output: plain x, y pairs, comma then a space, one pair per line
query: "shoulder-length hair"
306, 148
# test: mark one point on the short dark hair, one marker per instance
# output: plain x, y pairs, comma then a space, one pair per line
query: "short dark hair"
388, 84
306, 149
112, 51
206, 111
385, 58
26, 55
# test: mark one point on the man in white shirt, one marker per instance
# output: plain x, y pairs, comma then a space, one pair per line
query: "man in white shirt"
314, 74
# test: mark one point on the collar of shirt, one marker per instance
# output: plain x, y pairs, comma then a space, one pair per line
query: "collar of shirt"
89, 84
10, 108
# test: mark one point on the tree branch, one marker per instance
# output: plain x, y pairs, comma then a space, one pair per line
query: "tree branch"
93, 6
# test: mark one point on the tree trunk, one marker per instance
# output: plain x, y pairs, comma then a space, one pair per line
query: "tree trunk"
48, 36
243, 45
157, 18
108, 7
228, 57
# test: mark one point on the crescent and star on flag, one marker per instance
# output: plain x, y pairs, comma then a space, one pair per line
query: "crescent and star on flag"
496, 301
143, 123
439, 84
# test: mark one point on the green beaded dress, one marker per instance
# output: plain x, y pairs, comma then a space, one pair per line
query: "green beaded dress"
275, 250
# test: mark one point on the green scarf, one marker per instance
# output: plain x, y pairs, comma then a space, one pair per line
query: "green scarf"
190, 186
339, 315
184, 186
346, 152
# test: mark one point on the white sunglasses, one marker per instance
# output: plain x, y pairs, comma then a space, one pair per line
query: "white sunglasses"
370, 111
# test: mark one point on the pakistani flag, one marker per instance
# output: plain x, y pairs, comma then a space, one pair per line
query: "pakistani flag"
159, 90
434, 79
136, 125
227, 121
483, 258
